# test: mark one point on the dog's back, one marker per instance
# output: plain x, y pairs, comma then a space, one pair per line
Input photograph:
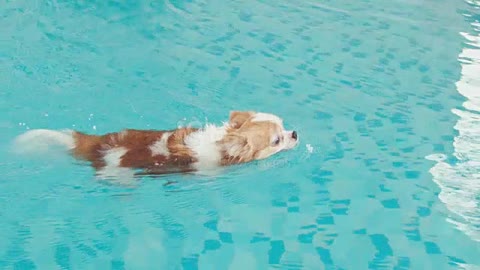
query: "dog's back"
151, 150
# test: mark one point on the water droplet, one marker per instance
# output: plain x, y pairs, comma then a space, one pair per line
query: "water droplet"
309, 148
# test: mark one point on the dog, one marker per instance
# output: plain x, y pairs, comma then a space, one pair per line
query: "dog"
247, 136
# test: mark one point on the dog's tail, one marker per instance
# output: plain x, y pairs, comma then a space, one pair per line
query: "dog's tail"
41, 140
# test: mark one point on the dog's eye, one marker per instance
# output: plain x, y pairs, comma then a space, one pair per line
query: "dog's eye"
276, 141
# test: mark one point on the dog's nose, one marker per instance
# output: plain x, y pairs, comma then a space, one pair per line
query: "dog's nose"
294, 135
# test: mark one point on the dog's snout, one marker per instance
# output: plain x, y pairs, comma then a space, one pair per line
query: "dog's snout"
294, 135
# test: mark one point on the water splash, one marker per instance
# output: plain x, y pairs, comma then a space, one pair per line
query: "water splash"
460, 182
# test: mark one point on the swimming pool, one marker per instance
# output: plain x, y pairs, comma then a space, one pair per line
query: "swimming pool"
383, 92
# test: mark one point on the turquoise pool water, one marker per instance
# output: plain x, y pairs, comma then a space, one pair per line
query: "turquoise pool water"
384, 95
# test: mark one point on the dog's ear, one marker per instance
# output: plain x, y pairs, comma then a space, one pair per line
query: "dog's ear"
237, 118
237, 147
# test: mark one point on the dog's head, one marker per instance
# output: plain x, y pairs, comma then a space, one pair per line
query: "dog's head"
253, 136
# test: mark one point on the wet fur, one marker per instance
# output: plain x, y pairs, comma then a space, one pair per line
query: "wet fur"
246, 137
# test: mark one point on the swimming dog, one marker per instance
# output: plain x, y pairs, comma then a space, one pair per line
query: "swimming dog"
247, 136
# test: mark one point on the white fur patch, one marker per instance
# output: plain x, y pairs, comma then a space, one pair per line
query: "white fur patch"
160, 147
112, 169
41, 140
113, 157
204, 144
261, 117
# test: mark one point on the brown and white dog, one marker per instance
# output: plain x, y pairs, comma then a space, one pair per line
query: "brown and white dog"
246, 137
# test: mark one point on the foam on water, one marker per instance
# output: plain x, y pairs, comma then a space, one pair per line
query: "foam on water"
460, 182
